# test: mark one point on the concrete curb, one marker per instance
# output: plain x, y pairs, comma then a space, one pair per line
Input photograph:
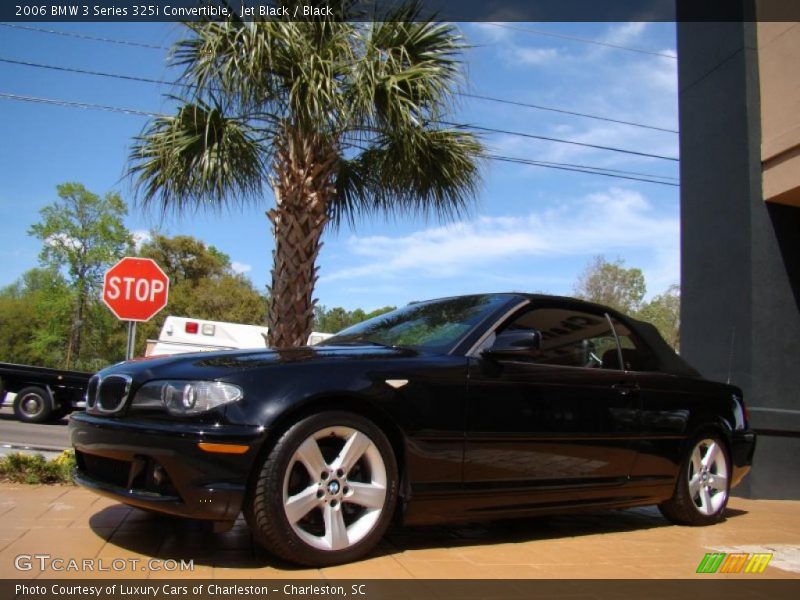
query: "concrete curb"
47, 451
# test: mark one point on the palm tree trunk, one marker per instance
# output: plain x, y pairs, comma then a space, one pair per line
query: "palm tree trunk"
302, 184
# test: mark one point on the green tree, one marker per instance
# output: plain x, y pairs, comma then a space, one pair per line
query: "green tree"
83, 234
664, 311
341, 118
35, 317
184, 257
105, 340
624, 289
202, 285
610, 283
338, 318
331, 321
379, 311
16, 317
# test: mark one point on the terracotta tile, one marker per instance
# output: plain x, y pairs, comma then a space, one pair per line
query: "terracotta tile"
450, 569
197, 571
266, 572
78, 544
443, 554
375, 567
127, 543
69, 522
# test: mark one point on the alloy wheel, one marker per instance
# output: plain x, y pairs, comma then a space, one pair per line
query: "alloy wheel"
334, 488
708, 477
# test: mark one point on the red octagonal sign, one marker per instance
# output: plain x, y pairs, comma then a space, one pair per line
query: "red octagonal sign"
135, 289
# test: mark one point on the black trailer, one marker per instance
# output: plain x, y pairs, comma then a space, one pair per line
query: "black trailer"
42, 394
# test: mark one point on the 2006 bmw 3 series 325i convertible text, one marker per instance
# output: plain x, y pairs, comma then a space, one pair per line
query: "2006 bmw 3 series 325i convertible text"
483, 406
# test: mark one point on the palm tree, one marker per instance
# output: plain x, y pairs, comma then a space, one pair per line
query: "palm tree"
342, 120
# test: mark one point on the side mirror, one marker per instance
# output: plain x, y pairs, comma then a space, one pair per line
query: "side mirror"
515, 343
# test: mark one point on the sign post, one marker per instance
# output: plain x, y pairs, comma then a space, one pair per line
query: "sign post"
131, 340
135, 289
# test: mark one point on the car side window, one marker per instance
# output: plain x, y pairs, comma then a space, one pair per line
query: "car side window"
570, 338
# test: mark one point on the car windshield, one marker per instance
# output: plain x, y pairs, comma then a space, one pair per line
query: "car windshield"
435, 325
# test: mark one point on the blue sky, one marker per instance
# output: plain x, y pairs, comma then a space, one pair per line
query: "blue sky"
531, 229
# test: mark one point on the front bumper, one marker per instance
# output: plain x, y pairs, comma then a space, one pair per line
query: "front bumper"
743, 447
159, 466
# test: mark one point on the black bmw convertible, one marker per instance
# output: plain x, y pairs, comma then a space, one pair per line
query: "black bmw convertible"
472, 407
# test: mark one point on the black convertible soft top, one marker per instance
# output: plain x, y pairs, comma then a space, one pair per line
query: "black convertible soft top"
668, 360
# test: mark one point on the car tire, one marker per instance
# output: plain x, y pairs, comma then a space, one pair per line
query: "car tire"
326, 492
32, 405
703, 486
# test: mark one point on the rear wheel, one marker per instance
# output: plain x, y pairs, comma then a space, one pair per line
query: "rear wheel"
32, 405
701, 493
326, 492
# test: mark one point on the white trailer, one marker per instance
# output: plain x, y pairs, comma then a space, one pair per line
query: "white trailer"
185, 334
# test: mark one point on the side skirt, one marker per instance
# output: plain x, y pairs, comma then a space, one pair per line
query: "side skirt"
460, 505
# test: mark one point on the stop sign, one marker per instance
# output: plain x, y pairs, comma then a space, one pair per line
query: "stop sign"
135, 289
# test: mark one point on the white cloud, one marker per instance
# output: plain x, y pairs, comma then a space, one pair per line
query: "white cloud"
605, 134
633, 34
533, 56
598, 80
625, 33
140, 236
241, 267
660, 74
610, 223
491, 31
503, 36
514, 52
641, 90
62, 240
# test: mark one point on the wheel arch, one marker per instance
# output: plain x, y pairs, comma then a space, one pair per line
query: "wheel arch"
715, 425
329, 402
712, 411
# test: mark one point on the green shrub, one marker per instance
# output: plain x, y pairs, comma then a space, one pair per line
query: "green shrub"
26, 468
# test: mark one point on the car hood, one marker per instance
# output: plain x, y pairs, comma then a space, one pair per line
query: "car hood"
219, 365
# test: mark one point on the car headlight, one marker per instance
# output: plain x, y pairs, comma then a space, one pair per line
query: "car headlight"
186, 397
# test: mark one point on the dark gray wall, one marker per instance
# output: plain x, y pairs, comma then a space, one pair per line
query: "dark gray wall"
740, 273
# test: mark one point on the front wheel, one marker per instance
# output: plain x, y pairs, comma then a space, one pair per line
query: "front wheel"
701, 493
326, 492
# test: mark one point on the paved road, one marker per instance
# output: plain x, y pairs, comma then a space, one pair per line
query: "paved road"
46, 435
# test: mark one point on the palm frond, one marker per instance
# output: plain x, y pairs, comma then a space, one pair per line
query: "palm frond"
409, 71
238, 60
427, 172
198, 157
